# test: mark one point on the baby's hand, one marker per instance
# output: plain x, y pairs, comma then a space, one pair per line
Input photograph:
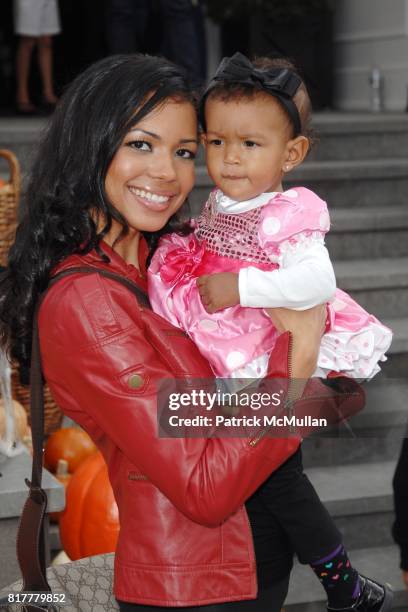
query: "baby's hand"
218, 291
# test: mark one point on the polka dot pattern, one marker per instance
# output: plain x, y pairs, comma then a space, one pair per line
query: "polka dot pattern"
290, 215
271, 225
235, 359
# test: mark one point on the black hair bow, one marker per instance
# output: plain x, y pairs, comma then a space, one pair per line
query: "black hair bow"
282, 83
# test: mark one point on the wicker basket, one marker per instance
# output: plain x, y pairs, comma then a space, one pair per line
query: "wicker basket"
9, 199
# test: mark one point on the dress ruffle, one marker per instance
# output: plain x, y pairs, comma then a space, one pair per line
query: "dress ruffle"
356, 341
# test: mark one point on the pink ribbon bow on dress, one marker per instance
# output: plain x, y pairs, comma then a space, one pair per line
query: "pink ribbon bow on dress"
182, 261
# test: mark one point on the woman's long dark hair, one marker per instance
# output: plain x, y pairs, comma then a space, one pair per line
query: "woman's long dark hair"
67, 180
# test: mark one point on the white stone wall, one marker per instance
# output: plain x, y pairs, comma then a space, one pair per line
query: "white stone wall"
371, 34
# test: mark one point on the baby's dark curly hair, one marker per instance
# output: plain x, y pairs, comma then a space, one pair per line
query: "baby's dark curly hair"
228, 90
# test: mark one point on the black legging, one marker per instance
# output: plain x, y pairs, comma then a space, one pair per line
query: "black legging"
270, 599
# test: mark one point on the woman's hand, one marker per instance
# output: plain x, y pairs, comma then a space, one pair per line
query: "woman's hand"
307, 328
218, 291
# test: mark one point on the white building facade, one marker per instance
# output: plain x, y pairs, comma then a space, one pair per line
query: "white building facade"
369, 35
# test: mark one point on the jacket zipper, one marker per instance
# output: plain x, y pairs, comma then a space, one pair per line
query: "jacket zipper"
256, 439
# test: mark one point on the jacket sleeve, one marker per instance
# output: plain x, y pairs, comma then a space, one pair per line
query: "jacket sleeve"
92, 343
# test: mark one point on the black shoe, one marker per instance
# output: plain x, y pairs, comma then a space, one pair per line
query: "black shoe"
373, 598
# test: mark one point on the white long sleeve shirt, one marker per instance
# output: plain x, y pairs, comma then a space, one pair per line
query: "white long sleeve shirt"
304, 279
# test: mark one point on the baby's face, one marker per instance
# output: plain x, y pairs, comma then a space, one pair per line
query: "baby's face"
246, 145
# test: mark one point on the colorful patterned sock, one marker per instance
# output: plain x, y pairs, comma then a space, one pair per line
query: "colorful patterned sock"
338, 577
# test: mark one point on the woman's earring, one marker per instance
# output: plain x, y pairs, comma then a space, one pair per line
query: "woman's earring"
286, 168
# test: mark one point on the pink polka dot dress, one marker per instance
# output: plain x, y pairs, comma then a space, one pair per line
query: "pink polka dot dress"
267, 233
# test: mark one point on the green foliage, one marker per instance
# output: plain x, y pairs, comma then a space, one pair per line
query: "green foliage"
281, 11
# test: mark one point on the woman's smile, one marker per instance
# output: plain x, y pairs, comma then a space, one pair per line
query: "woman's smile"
152, 172
152, 200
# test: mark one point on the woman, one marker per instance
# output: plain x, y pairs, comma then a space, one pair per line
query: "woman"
114, 168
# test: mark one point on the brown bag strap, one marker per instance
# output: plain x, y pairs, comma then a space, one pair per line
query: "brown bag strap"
31, 537
141, 295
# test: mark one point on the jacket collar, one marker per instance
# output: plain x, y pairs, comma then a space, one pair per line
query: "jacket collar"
117, 263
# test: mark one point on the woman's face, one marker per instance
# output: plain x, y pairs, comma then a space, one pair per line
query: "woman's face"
152, 171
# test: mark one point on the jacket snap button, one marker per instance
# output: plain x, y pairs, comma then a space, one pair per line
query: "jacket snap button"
135, 381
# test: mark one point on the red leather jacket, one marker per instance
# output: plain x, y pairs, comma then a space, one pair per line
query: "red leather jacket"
185, 538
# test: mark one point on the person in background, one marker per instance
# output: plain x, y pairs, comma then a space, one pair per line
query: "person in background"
400, 527
127, 22
35, 23
182, 35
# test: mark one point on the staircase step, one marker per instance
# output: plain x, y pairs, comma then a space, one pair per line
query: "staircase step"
397, 363
356, 169
385, 413
367, 233
386, 409
324, 451
380, 563
380, 285
352, 490
375, 434
359, 498
355, 183
359, 135
384, 272
400, 339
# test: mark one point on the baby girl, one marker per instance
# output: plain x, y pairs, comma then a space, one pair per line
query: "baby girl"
255, 247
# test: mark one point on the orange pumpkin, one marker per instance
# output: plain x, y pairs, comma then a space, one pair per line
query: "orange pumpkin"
20, 420
69, 443
64, 477
89, 525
